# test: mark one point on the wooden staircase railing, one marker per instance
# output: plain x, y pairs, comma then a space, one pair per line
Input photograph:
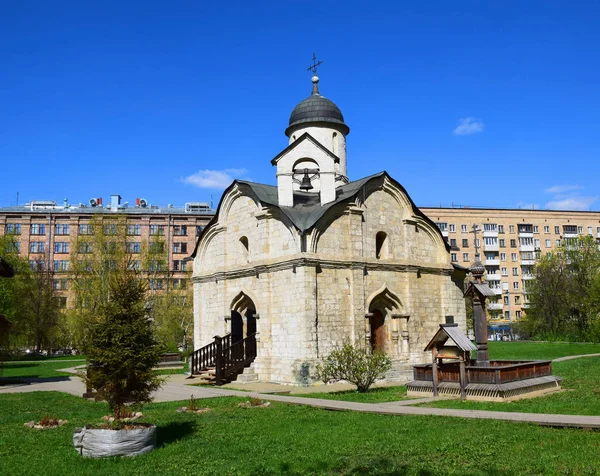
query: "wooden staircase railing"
206, 356
228, 359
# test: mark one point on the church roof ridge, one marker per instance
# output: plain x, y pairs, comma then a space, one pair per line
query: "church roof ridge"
303, 137
305, 216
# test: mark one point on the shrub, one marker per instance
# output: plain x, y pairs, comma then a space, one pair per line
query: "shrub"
122, 350
355, 364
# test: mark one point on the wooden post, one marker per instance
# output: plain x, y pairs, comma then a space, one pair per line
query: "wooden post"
463, 379
434, 370
219, 360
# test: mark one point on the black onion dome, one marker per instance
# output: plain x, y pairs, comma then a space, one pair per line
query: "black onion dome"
317, 109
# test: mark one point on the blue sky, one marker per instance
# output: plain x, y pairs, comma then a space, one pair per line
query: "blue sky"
492, 104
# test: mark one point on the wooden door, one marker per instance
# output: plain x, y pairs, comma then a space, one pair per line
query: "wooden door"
378, 337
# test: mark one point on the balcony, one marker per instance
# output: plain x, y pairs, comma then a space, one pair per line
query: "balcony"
495, 306
494, 247
526, 234
528, 276
497, 291
490, 234
527, 248
525, 305
492, 262
492, 277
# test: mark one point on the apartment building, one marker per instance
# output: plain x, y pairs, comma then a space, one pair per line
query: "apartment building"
510, 241
45, 233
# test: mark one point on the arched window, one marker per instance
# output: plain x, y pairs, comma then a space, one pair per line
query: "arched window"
381, 245
245, 248
334, 143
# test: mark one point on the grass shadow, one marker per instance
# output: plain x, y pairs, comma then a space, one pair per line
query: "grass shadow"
173, 431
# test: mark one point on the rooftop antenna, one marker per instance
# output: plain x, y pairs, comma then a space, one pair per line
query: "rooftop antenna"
17, 198
211, 202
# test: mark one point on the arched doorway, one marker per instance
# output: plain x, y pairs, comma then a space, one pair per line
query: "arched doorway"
243, 317
237, 327
377, 328
250, 322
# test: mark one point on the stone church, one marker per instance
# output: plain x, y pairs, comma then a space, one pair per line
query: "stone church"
319, 260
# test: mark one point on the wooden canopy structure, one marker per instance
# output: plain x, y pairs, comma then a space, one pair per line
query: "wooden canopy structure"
460, 349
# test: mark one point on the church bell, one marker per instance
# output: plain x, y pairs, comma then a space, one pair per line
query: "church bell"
305, 184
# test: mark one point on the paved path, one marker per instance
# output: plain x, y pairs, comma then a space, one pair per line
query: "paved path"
571, 357
178, 389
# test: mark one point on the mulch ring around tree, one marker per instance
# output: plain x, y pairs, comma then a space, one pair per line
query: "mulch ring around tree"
46, 423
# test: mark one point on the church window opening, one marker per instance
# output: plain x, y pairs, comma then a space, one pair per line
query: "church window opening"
334, 143
245, 247
381, 245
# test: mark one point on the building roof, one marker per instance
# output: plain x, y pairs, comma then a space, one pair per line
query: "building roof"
452, 332
82, 209
317, 109
307, 209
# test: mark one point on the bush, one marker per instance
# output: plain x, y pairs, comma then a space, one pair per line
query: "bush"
355, 364
122, 350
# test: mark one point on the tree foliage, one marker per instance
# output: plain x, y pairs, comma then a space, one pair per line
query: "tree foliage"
354, 364
122, 349
29, 301
565, 296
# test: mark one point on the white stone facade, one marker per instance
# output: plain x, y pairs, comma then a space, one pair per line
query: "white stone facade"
313, 289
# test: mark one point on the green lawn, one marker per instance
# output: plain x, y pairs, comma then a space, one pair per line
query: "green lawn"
292, 439
374, 395
39, 369
538, 350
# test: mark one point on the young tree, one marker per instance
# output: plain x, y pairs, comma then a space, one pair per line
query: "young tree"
122, 349
354, 364
565, 296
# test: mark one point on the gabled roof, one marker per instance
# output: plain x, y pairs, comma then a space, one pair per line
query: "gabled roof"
454, 334
307, 212
302, 138
482, 289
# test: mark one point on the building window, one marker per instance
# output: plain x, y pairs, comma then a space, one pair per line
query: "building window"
61, 229
134, 230
13, 247
61, 301
580, 230
513, 243
502, 256
597, 230
513, 257
13, 229
60, 284
500, 228
557, 230
516, 285
454, 257
518, 314
557, 243
199, 229
155, 265
155, 284
505, 299
443, 226
179, 265
590, 230
179, 247
134, 265
511, 228
180, 230
85, 248
546, 229
452, 241
60, 265
548, 243
61, 247
86, 229
515, 271
502, 243
157, 247
504, 271
133, 247
465, 256
157, 230
179, 283
37, 247
536, 243
452, 227
36, 265
37, 229
110, 229
517, 299
463, 228
381, 245
536, 229
465, 243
